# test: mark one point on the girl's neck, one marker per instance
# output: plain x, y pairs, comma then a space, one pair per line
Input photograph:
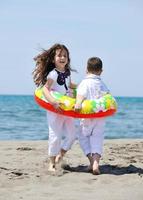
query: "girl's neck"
60, 69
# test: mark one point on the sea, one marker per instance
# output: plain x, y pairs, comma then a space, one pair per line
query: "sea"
22, 119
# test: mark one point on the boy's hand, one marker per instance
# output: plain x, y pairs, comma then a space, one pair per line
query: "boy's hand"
77, 107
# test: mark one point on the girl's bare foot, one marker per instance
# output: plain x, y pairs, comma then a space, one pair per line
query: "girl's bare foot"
58, 159
52, 168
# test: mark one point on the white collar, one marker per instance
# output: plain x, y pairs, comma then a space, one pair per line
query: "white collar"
93, 76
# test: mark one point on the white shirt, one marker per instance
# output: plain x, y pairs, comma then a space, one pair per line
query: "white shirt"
55, 86
92, 87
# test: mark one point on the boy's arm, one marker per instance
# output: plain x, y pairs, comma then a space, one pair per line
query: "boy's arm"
104, 90
81, 95
78, 104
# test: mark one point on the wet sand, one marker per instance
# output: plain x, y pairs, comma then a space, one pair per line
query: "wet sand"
24, 174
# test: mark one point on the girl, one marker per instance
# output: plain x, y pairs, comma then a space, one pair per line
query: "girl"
53, 73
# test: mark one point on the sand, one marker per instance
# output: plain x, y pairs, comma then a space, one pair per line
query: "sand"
24, 175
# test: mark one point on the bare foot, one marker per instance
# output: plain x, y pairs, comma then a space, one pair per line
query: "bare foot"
88, 169
60, 163
51, 168
58, 159
95, 168
60, 156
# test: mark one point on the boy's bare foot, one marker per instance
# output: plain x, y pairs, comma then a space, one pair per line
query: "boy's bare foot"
88, 169
95, 168
89, 156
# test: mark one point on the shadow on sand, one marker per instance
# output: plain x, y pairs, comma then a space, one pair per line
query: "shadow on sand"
108, 169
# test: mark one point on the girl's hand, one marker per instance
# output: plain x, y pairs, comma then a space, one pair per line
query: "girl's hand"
56, 105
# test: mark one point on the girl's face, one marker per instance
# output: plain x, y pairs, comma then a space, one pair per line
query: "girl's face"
61, 59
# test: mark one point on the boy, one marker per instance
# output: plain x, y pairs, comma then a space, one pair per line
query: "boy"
91, 135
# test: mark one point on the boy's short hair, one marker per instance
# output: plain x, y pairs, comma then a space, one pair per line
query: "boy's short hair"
94, 64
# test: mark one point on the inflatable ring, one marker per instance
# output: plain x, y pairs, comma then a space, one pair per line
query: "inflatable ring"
102, 107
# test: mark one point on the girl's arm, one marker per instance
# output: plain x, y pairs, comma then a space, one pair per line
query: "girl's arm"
46, 91
73, 85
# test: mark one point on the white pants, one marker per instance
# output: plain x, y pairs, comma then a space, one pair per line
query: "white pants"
91, 135
61, 133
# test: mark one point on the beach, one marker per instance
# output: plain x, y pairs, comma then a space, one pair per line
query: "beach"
24, 174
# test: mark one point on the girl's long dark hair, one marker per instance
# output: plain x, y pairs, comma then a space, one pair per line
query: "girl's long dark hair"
44, 63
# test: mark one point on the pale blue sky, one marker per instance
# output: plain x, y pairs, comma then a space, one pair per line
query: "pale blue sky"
109, 29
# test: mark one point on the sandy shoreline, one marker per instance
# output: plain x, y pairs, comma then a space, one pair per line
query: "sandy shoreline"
23, 172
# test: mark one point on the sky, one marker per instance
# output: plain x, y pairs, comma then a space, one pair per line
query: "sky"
109, 29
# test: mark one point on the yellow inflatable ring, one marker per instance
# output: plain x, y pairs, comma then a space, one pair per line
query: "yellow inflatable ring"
102, 107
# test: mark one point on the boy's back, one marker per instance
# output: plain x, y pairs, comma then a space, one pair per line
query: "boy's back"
92, 87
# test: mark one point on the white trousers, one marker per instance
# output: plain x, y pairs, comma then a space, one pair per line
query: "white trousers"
91, 135
61, 133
